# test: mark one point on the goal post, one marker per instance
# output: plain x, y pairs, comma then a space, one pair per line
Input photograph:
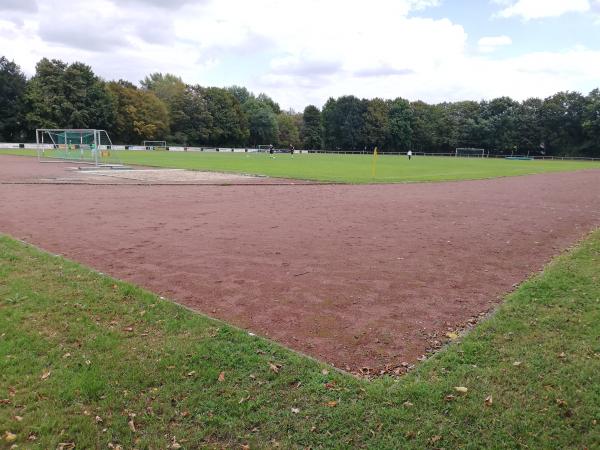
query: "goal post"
88, 146
155, 145
470, 152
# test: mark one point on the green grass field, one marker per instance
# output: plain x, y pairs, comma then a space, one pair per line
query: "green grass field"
345, 168
91, 362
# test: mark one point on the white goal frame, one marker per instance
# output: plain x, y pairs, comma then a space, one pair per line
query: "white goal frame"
58, 138
152, 145
470, 152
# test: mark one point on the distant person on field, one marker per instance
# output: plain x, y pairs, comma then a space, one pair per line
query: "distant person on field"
409, 154
292, 148
271, 151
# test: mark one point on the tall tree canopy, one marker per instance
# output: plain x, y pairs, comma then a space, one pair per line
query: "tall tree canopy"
12, 87
229, 123
62, 95
312, 128
140, 114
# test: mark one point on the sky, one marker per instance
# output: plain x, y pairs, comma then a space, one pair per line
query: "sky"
302, 52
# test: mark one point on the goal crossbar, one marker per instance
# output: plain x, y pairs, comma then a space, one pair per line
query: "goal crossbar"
475, 152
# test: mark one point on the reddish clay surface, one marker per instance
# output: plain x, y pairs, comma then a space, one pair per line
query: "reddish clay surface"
353, 275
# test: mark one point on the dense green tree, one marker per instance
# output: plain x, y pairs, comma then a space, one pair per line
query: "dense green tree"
229, 123
343, 123
312, 128
562, 123
64, 95
189, 117
12, 88
241, 93
264, 98
376, 123
262, 122
289, 132
464, 124
400, 130
591, 123
165, 86
140, 114
67, 96
529, 127
501, 115
426, 125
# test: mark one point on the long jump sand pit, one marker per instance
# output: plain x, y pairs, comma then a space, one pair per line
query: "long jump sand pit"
365, 277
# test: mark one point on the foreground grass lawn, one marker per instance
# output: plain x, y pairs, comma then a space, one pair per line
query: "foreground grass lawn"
344, 168
93, 362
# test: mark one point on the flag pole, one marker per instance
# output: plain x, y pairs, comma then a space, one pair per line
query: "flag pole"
374, 163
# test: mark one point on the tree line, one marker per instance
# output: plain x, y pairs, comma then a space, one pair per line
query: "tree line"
163, 107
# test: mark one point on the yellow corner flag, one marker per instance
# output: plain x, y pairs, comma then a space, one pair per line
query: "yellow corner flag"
374, 163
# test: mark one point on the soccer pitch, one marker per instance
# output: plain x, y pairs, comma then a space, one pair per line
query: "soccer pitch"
344, 168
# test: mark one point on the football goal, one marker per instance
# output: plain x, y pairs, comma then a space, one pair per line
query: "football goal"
86, 146
470, 152
155, 145
265, 147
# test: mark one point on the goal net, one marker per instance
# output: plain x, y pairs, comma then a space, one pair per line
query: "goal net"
265, 147
80, 145
155, 145
470, 152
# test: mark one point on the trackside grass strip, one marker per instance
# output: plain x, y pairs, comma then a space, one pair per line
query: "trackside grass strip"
90, 362
344, 168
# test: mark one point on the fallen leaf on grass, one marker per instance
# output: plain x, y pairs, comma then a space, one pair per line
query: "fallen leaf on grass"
517, 363
452, 335
192, 373
488, 400
128, 329
274, 367
131, 425
245, 447
46, 374
560, 402
9, 437
435, 439
449, 398
562, 355
66, 446
18, 418
221, 377
325, 372
67, 355
295, 410
331, 404
461, 389
330, 385
407, 404
98, 419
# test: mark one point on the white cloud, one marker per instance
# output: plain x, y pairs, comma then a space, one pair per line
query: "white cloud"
490, 43
299, 52
537, 9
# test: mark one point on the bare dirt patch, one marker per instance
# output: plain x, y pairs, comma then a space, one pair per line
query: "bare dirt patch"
360, 276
